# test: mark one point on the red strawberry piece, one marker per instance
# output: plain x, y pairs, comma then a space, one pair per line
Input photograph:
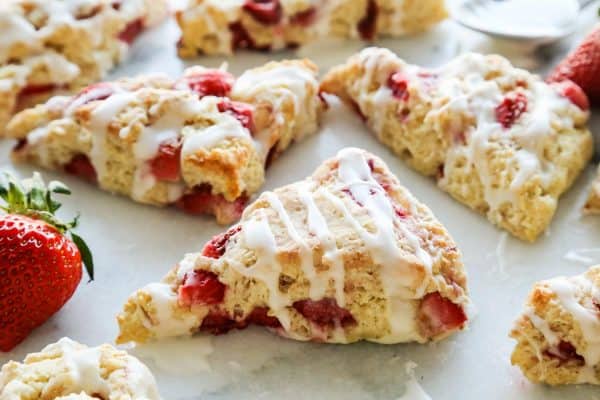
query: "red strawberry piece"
21, 144
565, 351
132, 31
582, 66
166, 165
201, 288
304, 18
267, 12
260, 316
400, 212
95, 92
440, 314
216, 247
511, 108
357, 110
212, 82
31, 90
367, 25
240, 38
40, 266
218, 323
243, 112
81, 167
574, 93
202, 201
324, 312
398, 83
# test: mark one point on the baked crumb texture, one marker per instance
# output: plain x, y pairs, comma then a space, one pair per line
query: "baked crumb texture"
346, 255
558, 335
69, 370
495, 137
61, 46
592, 205
200, 142
221, 27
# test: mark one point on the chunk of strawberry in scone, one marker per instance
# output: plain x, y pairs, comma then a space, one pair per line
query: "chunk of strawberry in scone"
324, 312
212, 82
511, 108
398, 83
202, 201
243, 112
166, 165
216, 247
304, 18
132, 31
367, 26
267, 12
201, 288
439, 315
564, 352
81, 166
97, 91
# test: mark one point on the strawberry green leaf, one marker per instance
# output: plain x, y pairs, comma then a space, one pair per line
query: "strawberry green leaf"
59, 188
86, 254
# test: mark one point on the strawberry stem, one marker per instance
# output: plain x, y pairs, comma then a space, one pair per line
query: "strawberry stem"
32, 198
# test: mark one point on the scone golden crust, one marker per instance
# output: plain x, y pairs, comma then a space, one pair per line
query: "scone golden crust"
57, 45
592, 205
495, 137
69, 370
200, 142
558, 335
221, 27
346, 255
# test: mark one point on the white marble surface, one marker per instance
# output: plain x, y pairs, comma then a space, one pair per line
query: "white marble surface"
136, 244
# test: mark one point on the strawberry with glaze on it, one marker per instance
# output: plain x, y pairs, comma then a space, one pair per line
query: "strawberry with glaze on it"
582, 66
166, 165
440, 315
212, 82
398, 83
216, 247
324, 312
267, 12
511, 108
40, 266
243, 112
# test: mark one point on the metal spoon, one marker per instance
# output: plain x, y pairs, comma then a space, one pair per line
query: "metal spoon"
525, 20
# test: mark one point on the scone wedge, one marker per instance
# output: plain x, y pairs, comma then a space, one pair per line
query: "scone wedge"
55, 45
221, 27
495, 137
347, 254
558, 334
201, 142
69, 370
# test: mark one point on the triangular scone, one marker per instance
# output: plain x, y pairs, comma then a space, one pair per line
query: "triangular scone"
592, 205
69, 370
558, 335
201, 142
221, 27
495, 137
51, 45
347, 254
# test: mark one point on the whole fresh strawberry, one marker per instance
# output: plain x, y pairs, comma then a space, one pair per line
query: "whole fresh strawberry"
40, 266
582, 66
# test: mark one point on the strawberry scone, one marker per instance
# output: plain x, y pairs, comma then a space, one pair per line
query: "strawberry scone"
592, 205
69, 370
558, 335
495, 137
221, 27
201, 142
63, 45
347, 254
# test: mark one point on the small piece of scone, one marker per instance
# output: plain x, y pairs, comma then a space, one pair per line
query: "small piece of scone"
347, 254
200, 142
54, 45
558, 335
495, 137
221, 27
69, 370
592, 205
